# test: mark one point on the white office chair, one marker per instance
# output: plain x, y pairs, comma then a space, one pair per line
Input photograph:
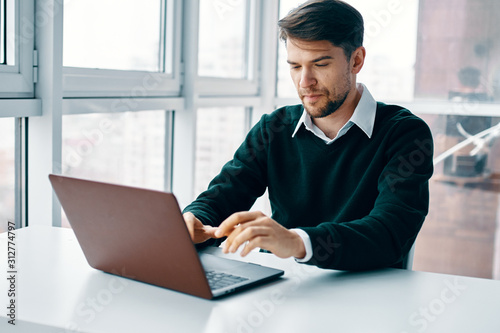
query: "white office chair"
408, 263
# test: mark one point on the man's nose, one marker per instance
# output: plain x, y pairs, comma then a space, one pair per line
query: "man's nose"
307, 78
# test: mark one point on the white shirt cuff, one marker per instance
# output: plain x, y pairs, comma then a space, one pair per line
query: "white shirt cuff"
307, 244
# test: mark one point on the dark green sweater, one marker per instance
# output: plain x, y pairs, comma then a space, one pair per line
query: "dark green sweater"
361, 200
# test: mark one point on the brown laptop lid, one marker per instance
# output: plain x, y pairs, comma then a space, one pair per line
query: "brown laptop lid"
132, 232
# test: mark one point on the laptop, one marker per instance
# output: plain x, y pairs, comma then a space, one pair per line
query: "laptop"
141, 234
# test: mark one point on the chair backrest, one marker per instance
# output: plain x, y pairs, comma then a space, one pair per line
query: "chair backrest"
408, 262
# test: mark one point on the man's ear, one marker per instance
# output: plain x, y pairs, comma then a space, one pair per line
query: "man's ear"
358, 59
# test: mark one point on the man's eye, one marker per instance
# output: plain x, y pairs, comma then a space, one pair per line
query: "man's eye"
294, 67
321, 65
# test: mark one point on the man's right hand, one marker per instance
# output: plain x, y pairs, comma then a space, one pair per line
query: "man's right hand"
198, 231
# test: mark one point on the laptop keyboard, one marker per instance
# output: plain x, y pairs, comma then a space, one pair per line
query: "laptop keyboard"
218, 280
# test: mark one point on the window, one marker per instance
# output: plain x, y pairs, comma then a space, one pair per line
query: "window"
121, 35
8, 39
3, 37
461, 234
126, 147
213, 62
390, 39
108, 77
16, 103
459, 67
225, 86
16, 48
7, 172
223, 34
129, 148
228, 49
438, 59
285, 86
219, 132
461, 63
125, 49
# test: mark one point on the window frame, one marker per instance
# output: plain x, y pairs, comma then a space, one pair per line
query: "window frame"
17, 80
21, 200
17, 89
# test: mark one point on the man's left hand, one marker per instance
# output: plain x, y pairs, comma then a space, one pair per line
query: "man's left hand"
261, 232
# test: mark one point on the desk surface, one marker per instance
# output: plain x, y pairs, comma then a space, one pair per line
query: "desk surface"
58, 292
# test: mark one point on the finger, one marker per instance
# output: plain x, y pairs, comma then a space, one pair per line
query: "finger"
229, 240
227, 226
247, 234
209, 231
191, 230
190, 221
256, 242
189, 217
236, 232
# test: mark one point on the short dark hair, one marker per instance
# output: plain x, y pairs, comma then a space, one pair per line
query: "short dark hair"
331, 20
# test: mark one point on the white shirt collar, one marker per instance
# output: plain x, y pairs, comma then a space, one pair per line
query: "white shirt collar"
363, 117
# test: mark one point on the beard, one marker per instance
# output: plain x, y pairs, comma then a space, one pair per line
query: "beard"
330, 107
332, 104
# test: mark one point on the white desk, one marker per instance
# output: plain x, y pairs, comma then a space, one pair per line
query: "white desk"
58, 292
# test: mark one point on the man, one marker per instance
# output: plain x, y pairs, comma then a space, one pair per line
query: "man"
347, 176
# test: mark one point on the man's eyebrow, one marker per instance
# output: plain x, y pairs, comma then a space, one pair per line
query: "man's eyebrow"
322, 58
315, 60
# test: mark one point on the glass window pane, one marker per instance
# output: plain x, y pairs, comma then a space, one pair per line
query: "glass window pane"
412, 53
222, 39
461, 234
8, 37
462, 62
390, 39
3, 17
285, 86
124, 148
113, 34
219, 132
7, 172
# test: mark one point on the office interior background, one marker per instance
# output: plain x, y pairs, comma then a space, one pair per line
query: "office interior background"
160, 93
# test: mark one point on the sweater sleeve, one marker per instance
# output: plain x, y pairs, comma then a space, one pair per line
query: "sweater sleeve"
240, 182
383, 237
